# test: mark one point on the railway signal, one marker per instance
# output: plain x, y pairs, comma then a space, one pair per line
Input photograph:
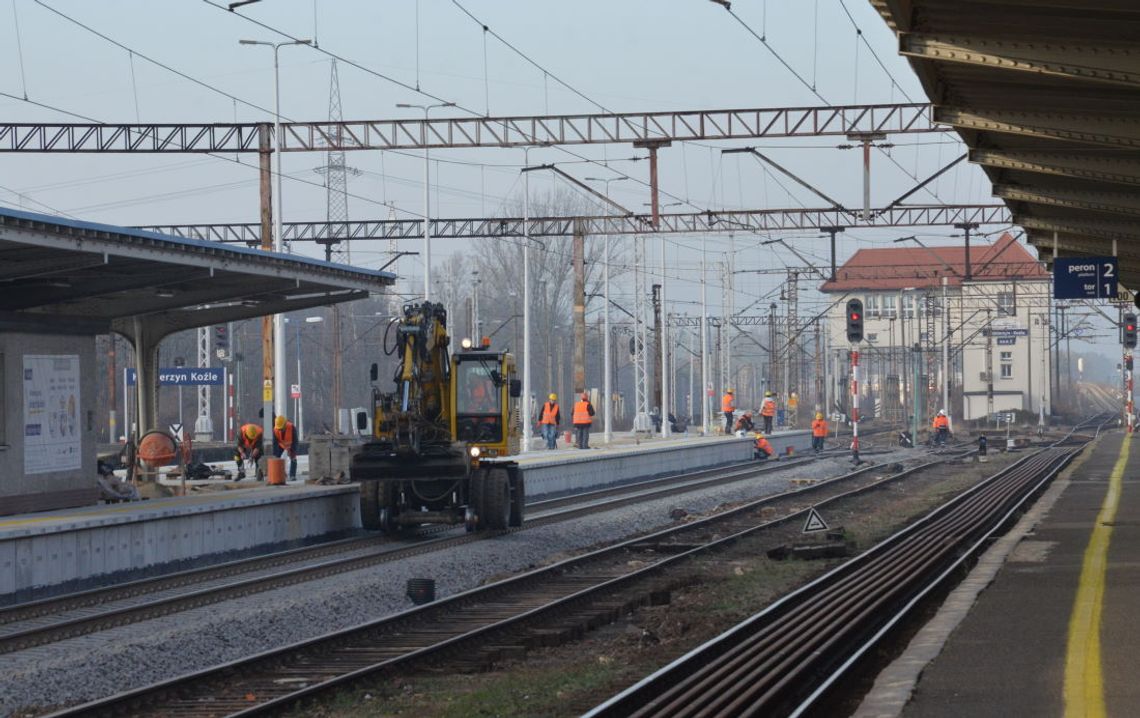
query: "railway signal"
854, 321
1129, 331
221, 340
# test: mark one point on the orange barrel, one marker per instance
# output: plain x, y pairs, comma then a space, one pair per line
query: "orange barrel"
275, 472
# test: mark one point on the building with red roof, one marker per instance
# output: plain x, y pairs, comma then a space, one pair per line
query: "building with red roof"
973, 332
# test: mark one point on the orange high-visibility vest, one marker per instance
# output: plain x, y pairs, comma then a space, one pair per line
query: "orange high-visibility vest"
941, 422
727, 403
582, 413
549, 413
819, 427
763, 445
285, 436
768, 408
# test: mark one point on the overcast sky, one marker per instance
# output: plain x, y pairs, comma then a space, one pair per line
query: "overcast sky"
98, 61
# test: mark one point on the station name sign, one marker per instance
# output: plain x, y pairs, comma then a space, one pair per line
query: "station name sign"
1085, 278
183, 376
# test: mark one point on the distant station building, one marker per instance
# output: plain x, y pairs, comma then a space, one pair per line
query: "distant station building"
992, 317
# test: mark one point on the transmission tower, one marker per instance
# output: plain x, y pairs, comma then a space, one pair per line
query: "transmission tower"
337, 247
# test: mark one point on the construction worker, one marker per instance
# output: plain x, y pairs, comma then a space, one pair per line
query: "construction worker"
763, 449
285, 442
549, 418
583, 418
744, 423
818, 432
248, 448
728, 406
941, 426
768, 411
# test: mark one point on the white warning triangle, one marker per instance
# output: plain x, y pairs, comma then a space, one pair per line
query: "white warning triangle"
814, 522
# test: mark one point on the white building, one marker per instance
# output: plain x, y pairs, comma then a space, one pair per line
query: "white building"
928, 315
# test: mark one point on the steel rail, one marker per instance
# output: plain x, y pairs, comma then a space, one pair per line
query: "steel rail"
319, 664
168, 595
762, 666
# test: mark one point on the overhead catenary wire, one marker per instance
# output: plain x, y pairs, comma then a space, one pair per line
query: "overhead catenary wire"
891, 77
764, 41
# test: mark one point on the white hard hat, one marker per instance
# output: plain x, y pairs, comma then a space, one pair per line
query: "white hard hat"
942, 412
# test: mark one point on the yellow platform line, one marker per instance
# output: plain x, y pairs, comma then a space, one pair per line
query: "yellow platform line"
1084, 680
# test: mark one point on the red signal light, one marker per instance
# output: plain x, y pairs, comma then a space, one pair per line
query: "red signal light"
1130, 327
854, 316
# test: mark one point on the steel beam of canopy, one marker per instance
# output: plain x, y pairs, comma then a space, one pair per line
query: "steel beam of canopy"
1098, 201
1116, 63
1116, 167
697, 222
468, 132
1084, 246
1097, 128
1079, 224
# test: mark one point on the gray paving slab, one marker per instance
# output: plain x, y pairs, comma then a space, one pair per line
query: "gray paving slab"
1002, 646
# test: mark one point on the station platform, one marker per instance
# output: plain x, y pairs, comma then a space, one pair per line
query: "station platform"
1046, 623
68, 549
631, 457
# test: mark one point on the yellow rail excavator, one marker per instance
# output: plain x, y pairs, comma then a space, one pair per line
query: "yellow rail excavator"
438, 441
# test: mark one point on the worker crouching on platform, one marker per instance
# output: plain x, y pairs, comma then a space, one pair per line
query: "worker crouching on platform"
763, 449
818, 432
744, 423
249, 448
583, 419
285, 442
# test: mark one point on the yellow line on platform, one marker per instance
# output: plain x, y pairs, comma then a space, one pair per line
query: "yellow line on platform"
1084, 682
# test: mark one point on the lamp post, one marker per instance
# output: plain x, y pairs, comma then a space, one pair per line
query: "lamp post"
606, 368
279, 396
427, 193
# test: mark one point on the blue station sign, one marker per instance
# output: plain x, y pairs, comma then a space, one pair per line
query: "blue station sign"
1085, 278
183, 376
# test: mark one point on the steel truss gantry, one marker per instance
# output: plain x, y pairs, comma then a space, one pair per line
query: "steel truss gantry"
759, 220
470, 132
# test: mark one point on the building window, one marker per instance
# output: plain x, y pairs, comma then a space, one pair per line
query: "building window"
890, 309
1007, 304
871, 305
908, 306
1007, 365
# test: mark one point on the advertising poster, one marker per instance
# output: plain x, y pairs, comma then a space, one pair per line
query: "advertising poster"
52, 440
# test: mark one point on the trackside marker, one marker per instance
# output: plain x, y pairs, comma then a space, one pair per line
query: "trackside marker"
814, 522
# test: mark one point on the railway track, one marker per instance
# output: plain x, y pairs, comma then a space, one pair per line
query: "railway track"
475, 627
34, 624
785, 658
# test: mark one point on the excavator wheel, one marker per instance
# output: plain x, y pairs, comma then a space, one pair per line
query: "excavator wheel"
496, 500
473, 516
518, 499
370, 505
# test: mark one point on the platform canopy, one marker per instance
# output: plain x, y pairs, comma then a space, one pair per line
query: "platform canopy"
79, 277
1046, 94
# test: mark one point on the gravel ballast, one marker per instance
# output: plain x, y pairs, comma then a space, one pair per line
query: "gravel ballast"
90, 667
